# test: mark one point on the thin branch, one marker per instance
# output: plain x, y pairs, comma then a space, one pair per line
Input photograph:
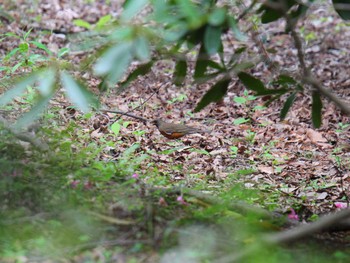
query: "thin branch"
307, 76
139, 106
308, 230
127, 114
342, 104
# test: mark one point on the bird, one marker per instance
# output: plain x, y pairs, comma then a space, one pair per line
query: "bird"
175, 130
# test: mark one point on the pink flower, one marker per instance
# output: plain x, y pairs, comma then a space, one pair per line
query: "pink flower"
136, 176
293, 215
181, 200
340, 205
75, 183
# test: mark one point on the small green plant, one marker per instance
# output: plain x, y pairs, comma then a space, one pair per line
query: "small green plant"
179, 98
234, 151
250, 137
26, 54
342, 127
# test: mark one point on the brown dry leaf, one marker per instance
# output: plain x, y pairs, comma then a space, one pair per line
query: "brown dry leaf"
315, 136
266, 169
96, 134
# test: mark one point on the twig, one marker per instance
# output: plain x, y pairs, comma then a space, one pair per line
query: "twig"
308, 230
343, 105
139, 106
127, 114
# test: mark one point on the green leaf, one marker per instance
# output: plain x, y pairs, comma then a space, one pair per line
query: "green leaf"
142, 49
140, 70
180, 72
115, 127
15, 67
175, 32
201, 64
270, 15
122, 33
217, 17
19, 88
114, 61
27, 34
23, 47
76, 92
103, 21
316, 109
34, 113
191, 12
215, 94
240, 121
41, 46
240, 100
252, 83
46, 81
285, 79
62, 52
131, 8
82, 23
343, 8
212, 39
287, 105
237, 33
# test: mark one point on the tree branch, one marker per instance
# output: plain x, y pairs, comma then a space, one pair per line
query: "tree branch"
127, 114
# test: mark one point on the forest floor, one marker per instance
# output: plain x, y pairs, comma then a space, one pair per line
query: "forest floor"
291, 164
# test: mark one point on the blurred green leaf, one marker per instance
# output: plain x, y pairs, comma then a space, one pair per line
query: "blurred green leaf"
62, 52
271, 14
122, 33
142, 49
46, 81
192, 13
215, 94
23, 47
180, 72
342, 7
238, 34
212, 39
142, 69
27, 34
114, 61
176, 31
11, 53
131, 8
217, 17
287, 105
316, 109
201, 64
19, 88
76, 92
34, 113
82, 23
252, 83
